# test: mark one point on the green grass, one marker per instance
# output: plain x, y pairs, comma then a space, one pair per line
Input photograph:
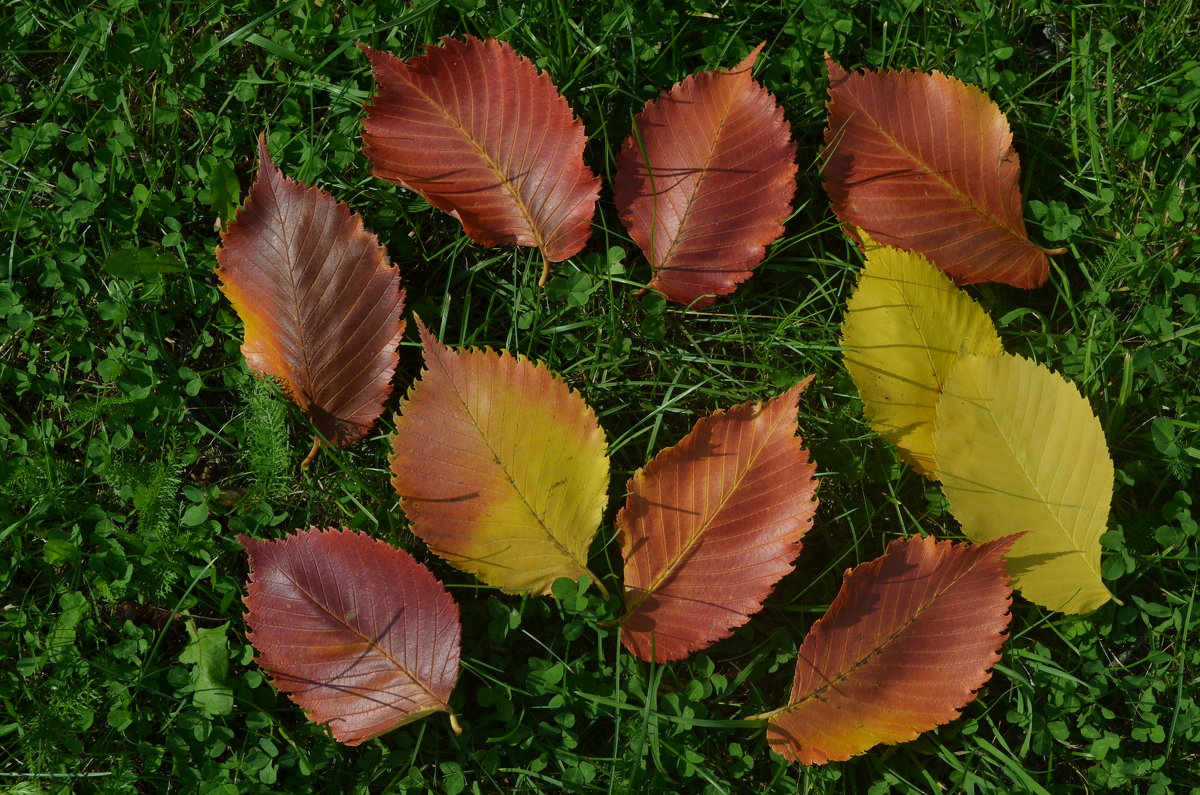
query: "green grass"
134, 446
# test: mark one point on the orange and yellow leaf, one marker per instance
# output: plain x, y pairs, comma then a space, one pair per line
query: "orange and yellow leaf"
906, 644
501, 468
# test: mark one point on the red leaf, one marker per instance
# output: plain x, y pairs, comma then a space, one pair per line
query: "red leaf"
706, 181
355, 631
320, 301
906, 644
926, 163
481, 134
711, 525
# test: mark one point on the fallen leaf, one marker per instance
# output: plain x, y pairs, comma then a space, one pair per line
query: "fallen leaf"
501, 468
705, 182
320, 302
926, 163
355, 631
480, 133
711, 525
1019, 450
906, 326
907, 643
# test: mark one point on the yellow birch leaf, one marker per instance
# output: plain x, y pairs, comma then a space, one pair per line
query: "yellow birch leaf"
501, 468
906, 326
1020, 450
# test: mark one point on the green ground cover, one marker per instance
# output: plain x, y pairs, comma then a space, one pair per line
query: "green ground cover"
135, 446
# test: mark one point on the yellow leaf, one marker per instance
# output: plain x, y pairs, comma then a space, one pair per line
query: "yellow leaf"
500, 467
1019, 449
906, 326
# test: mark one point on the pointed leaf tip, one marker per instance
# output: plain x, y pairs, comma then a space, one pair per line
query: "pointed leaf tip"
907, 643
500, 466
382, 636
705, 182
711, 525
926, 163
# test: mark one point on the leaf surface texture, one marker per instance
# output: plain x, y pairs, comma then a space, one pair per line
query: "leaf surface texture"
320, 302
480, 133
1019, 449
906, 644
705, 182
501, 468
355, 631
906, 326
711, 525
926, 163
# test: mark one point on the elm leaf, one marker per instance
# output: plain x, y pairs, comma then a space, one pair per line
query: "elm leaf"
906, 326
705, 182
320, 302
355, 631
906, 644
501, 468
926, 163
711, 525
483, 135
1018, 449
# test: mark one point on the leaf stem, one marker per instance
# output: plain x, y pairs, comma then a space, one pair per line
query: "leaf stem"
312, 454
764, 716
600, 585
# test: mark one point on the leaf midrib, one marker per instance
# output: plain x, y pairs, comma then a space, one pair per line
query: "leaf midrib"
285, 193
696, 191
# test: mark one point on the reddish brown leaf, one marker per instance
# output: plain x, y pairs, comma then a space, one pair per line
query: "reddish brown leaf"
711, 525
320, 302
355, 631
481, 134
906, 644
705, 182
926, 163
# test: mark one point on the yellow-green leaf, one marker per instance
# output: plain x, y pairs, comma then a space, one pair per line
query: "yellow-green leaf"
1019, 449
906, 326
501, 468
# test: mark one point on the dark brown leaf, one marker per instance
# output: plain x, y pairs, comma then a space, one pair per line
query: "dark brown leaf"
320, 302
